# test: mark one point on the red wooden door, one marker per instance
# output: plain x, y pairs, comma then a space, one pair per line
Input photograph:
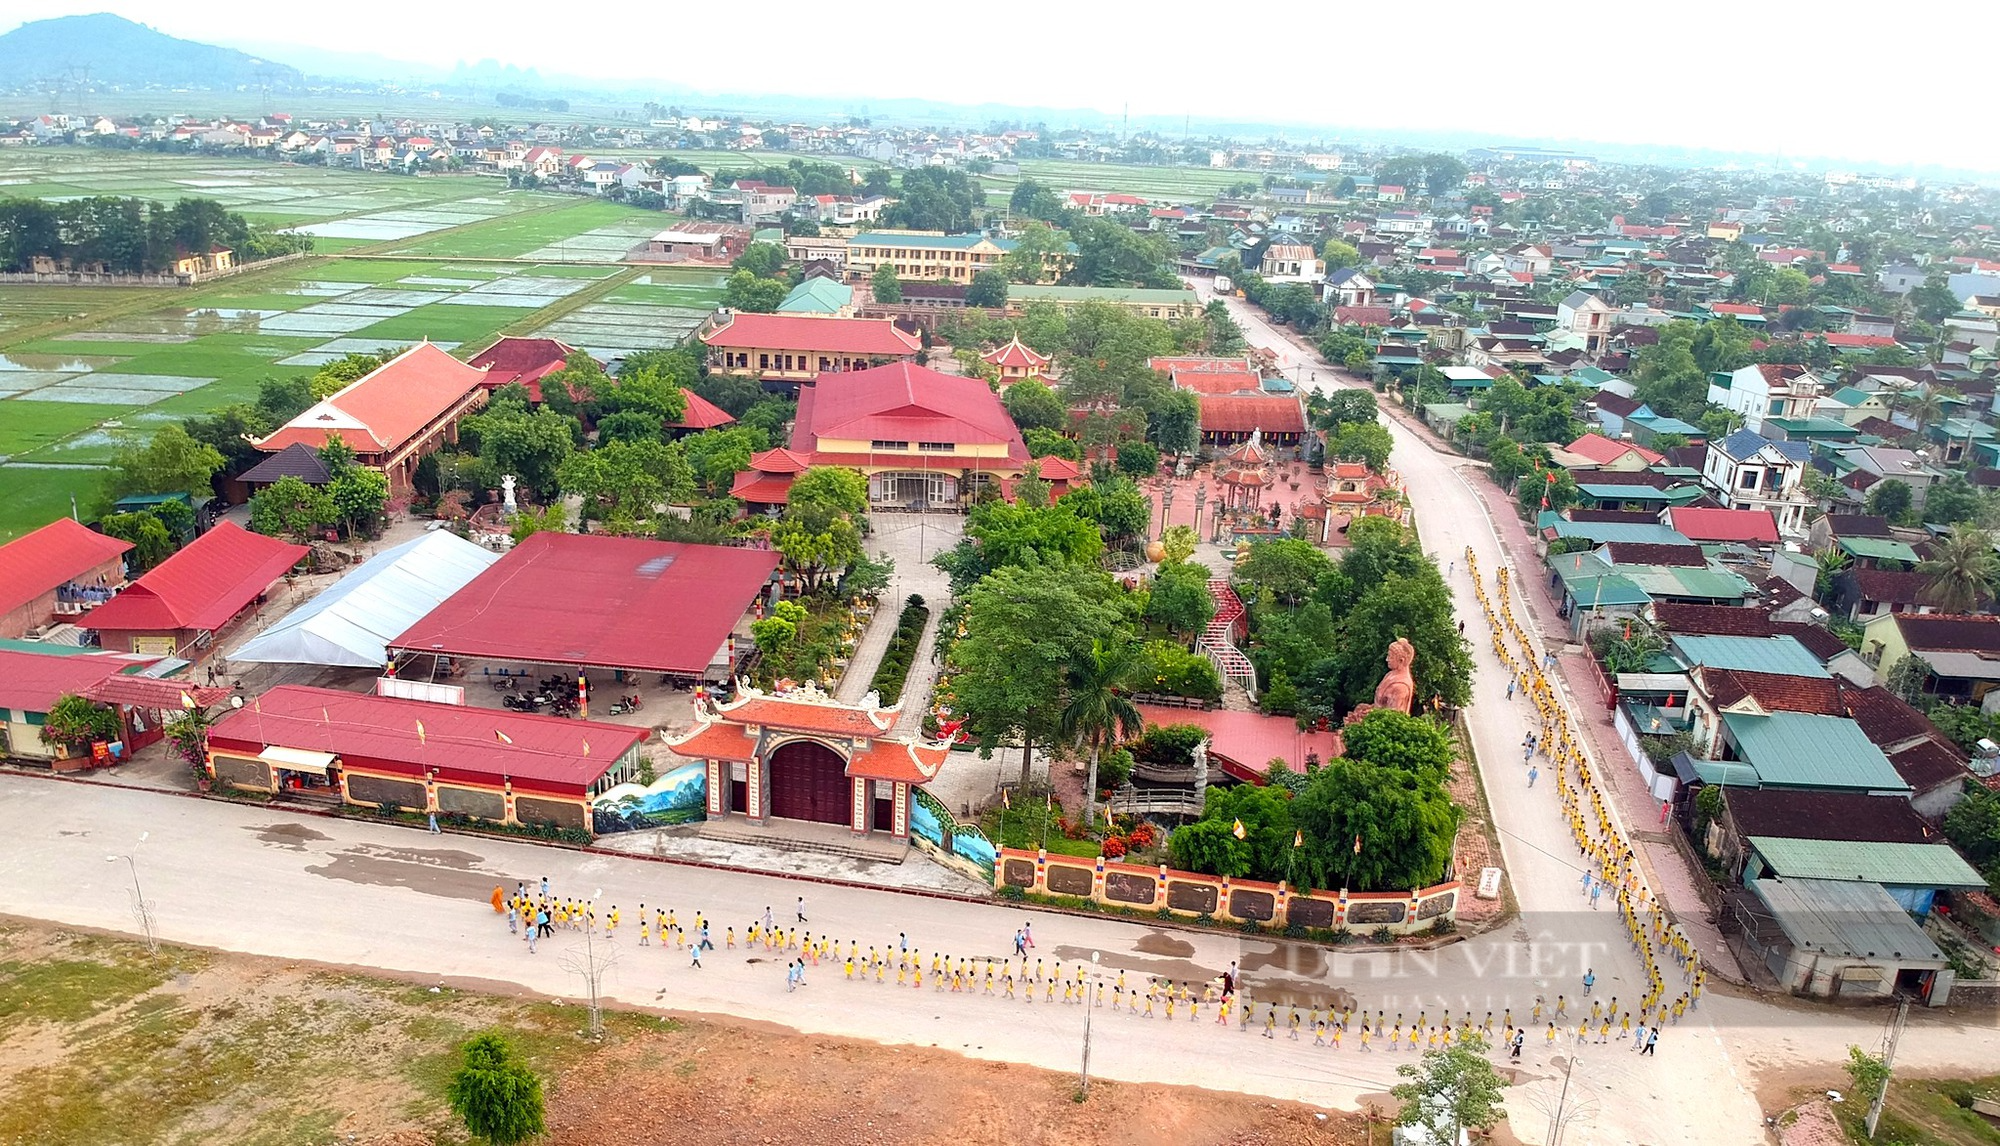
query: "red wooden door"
809, 782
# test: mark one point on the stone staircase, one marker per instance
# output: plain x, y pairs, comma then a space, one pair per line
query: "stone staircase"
1218, 640
799, 836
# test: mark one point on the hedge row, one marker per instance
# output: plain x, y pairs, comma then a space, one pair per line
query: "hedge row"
894, 671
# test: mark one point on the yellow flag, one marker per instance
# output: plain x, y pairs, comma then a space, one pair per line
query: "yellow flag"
503, 737
187, 699
586, 748
420, 733
1298, 839
1237, 830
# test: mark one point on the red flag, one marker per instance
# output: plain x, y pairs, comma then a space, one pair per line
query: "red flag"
1357, 844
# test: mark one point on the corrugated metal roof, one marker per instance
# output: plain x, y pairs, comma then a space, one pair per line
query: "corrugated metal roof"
1804, 750
1879, 548
1598, 532
1782, 655
1849, 919
1868, 861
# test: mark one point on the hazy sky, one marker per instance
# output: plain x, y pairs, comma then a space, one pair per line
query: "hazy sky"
1893, 83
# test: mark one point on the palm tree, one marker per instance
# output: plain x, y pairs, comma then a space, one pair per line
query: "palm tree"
1100, 712
1963, 570
1927, 409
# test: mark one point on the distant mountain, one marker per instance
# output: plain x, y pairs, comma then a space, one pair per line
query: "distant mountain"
107, 49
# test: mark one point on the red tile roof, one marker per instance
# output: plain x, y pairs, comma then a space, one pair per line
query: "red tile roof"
1219, 381
761, 489
158, 693
1852, 817
891, 760
1756, 525
1863, 341
544, 750
903, 402
701, 414
1243, 413
1940, 632
203, 586
1891, 586
62, 550
1716, 620
1250, 739
1604, 451
381, 411
1773, 692
33, 682
590, 599
1185, 364
796, 715
866, 336
523, 360
1926, 764
1652, 553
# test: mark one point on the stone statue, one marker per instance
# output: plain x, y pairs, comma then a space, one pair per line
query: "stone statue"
1398, 688
507, 503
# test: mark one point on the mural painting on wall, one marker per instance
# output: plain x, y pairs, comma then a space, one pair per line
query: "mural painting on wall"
679, 797
1065, 880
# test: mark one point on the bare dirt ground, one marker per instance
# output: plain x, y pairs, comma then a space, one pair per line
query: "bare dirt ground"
102, 1043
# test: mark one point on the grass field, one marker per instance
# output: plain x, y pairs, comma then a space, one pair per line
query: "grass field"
540, 234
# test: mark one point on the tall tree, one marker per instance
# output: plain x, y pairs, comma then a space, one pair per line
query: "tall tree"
884, 284
1099, 712
171, 462
1450, 1092
1024, 629
1962, 571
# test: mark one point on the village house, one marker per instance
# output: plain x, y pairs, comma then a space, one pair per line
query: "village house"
1749, 471
1291, 263
1766, 390
933, 255
55, 573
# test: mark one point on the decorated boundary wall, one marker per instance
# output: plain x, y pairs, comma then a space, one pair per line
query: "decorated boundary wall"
1195, 894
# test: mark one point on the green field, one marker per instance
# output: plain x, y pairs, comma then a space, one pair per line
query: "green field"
82, 366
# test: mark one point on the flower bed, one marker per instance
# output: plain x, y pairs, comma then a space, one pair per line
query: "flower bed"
897, 659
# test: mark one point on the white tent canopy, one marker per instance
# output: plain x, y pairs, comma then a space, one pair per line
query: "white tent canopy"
352, 621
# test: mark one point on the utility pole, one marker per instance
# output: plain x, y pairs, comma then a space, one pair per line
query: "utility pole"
1888, 1064
1083, 1079
1556, 1120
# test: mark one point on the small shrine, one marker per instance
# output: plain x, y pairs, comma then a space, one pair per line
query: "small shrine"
1016, 361
802, 755
1244, 474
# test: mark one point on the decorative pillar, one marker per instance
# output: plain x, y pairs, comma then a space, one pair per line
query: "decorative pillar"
715, 778
431, 791
901, 824
1281, 911
1340, 910
859, 789
1200, 496
755, 781
1097, 878
1166, 506
1041, 870
1222, 899
1160, 888
507, 815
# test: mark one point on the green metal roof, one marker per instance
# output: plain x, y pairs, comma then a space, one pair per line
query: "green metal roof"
1726, 772
1964, 428
1853, 396
1879, 548
1845, 918
1814, 427
1805, 750
1662, 424
1599, 532
817, 296
1623, 492
1894, 864
1681, 582
1782, 655
1447, 411
1101, 294
45, 648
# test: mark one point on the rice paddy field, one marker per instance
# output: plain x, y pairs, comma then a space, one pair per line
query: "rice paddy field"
456, 261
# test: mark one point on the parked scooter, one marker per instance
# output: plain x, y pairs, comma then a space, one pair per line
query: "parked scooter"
503, 684
625, 704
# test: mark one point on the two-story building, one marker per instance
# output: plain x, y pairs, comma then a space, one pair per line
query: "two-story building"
1748, 471
1766, 390
1146, 303
784, 350
1586, 316
922, 439
934, 255
1291, 263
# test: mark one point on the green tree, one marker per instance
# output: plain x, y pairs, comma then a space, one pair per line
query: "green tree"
764, 260
1451, 1091
1035, 201
1962, 570
1404, 822
1934, 301
1117, 507
1174, 422
1365, 442
496, 1095
717, 456
576, 388
76, 723
1179, 598
1034, 406
1973, 825
1024, 629
1909, 678
1890, 499
531, 446
1340, 255
1179, 541
1043, 443
1138, 459
1099, 711
290, 508
653, 386
752, 295
151, 542
989, 289
358, 497
1037, 248
817, 542
171, 462
1211, 844
1417, 609
835, 489
885, 285
1390, 739
1283, 571
228, 430
1345, 407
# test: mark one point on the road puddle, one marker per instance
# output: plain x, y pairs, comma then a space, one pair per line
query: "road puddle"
443, 873
293, 836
